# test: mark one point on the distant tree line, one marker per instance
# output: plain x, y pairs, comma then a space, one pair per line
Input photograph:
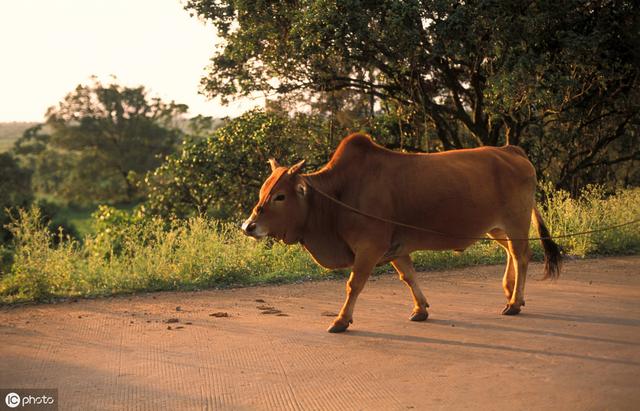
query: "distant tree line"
99, 141
94, 147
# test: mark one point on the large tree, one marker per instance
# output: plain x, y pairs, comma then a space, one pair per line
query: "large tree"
469, 73
102, 139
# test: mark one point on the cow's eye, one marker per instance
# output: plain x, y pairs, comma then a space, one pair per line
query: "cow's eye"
279, 197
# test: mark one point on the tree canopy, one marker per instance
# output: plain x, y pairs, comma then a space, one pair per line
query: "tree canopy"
99, 141
220, 175
468, 74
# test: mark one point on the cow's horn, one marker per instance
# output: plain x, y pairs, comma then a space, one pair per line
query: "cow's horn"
274, 164
296, 167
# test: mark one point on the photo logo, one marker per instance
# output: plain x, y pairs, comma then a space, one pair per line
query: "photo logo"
38, 399
12, 400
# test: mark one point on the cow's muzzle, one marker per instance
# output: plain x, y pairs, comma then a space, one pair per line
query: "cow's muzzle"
249, 227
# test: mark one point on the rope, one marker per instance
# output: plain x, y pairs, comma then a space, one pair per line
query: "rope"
427, 230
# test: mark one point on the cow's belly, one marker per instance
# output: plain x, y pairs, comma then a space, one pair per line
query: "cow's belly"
452, 237
435, 243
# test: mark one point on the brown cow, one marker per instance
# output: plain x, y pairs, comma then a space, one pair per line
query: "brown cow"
455, 196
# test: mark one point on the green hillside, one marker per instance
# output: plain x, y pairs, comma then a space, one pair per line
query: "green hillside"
11, 131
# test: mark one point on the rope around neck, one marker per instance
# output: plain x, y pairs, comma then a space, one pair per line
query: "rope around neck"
439, 233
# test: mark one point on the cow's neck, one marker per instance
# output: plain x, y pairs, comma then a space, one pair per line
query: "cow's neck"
321, 237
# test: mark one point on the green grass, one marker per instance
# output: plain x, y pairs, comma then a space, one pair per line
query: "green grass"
147, 255
197, 254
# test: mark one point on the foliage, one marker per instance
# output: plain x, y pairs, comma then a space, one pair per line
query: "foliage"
220, 175
39, 269
16, 189
130, 253
15, 186
113, 228
195, 254
57, 218
593, 209
560, 78
100, 140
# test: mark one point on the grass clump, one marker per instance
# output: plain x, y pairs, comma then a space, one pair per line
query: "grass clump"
144, 256
595, 210
128, 253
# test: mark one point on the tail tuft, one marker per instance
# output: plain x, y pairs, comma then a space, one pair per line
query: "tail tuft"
552, 251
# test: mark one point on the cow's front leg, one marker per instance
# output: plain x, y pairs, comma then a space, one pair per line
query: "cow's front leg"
407, 273
362, 267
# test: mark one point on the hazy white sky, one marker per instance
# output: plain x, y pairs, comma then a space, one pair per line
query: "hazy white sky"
47, 47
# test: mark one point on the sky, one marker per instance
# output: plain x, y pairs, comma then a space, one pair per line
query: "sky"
48, 47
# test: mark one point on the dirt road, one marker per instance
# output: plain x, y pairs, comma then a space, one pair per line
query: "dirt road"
575, 346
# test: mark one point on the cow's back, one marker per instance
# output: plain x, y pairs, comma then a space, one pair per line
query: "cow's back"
459, 192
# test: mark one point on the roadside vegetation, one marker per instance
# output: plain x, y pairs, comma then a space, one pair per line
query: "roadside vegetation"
133, 253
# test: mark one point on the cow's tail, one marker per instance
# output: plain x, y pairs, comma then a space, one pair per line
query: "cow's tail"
552, 251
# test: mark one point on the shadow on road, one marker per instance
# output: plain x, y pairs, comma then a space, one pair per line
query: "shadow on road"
438, 341
538, 332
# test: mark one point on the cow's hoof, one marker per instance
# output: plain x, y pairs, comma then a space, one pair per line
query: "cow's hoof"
511, 310
339, 326
419, 316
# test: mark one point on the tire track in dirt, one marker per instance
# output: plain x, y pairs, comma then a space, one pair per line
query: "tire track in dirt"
315, 362
178, 366
239, 365
357, 384
256, 362
120, 355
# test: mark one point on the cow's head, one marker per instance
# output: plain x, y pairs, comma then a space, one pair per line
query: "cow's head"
282, 209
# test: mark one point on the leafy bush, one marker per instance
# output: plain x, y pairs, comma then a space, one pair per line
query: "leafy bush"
39, 270
144, 255
113, 228
130, 252
219, 176
594, 210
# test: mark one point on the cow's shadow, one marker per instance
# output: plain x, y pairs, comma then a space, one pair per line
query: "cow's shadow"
590, 319
547, 333
487, 346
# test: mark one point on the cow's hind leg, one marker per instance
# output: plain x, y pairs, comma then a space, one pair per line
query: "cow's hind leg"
520, 253
362, 267
407, 273
509, 278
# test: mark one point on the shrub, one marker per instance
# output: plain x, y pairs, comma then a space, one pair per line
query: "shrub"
593, 210
129, 255
130, 252
220, 175
39, 270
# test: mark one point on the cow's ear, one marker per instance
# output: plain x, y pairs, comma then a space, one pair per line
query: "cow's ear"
295, 169
301, 189
274, 164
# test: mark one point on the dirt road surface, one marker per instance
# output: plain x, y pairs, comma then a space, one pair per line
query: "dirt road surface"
576, 346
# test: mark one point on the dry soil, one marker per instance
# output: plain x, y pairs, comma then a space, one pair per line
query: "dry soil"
575, 346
